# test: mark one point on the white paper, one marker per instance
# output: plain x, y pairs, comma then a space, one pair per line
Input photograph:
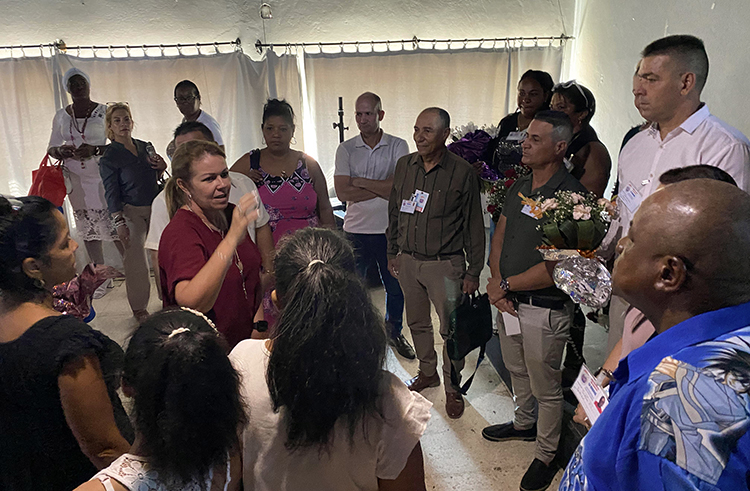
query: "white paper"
422, 200
511, 323
590, 395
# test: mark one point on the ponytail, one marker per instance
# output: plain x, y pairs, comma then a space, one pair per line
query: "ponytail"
174, 196
327, 358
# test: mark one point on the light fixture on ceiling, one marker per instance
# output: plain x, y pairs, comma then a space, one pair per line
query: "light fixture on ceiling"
265, 12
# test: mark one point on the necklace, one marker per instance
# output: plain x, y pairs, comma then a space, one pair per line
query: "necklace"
235, 259
82, 130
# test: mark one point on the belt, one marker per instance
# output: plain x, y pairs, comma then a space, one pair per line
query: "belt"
545, 303
436, 257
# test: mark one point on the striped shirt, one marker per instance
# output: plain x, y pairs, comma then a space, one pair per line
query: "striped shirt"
451, 222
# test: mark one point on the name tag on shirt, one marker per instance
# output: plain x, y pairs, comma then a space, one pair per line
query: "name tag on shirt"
408, 206
516, 136
421, 198
631, 198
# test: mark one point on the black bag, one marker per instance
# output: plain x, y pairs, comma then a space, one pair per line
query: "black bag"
470, 328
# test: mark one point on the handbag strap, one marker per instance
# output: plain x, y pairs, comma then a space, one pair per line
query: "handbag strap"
454, 377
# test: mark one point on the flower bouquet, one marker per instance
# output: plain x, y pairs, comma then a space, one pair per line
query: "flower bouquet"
573, 227
499, 189
74, 297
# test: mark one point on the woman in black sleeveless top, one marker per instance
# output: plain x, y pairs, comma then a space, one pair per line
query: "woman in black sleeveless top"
588, 156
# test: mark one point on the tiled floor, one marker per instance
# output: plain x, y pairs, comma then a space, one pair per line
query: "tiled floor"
456, 456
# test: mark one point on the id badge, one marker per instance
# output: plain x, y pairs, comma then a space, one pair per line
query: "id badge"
590, 395
421, 200
631, 198
535, 212
516, 136
408, 206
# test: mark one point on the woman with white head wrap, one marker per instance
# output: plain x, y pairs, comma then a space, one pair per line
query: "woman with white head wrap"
78, 139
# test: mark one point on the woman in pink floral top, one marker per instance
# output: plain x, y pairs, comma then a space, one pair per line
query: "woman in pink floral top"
291, 184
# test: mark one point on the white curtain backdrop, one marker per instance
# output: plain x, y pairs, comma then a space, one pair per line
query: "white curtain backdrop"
233, 89
472, 85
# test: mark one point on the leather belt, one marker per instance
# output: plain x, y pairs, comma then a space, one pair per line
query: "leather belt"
545, 303
436, 257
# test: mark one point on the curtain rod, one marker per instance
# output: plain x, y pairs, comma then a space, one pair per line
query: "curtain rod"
415, 41
59, 45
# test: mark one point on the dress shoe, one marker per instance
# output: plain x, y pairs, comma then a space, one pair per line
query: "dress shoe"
539, 476
422, 381
454, 405
402, 346
506, 432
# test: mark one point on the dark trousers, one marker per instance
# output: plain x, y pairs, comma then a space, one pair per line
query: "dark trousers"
369, 249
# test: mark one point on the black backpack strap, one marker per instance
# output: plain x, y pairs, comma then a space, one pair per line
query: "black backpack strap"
454, 377
255, 159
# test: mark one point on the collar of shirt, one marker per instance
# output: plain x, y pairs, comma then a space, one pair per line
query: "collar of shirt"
688, 126
552, 184
697, 329
417, 159
360, 142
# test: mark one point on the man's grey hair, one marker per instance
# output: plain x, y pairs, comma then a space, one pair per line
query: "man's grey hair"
562, 128
689, 53
445, 118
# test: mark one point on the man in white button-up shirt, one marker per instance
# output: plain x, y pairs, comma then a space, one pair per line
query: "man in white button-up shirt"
667, 88
364, 178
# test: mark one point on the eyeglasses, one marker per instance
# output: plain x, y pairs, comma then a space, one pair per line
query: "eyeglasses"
181, 100
123, 103
572, 83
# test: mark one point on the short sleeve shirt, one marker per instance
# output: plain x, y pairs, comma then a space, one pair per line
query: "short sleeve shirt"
37, 447
679, 413
382, 454
521, 235
212, 125
185, 247
355, 158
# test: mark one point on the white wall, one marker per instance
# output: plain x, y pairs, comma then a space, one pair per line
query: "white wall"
85, 22
610, 35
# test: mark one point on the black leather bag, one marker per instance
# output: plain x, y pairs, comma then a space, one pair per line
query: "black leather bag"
470, 328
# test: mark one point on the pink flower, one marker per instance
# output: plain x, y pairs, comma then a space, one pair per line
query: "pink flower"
581, 212
549, 204
608, 206
576, 198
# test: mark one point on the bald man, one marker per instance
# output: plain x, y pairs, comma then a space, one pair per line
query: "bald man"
679, 410
364, 179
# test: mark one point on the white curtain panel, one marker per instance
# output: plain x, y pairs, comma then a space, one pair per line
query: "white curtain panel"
472, 85
233, 89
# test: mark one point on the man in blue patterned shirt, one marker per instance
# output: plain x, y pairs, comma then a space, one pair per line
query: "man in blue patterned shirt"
680, 412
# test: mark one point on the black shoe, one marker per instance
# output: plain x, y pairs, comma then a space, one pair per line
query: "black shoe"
539, 476
506, 432
402, 346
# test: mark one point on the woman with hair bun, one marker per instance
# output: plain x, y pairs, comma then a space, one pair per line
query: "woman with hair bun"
187, 409
323, 413
60, 416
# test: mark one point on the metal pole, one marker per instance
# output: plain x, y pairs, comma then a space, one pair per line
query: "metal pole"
340, 124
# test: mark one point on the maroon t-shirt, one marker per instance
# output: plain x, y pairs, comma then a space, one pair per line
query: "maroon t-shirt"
185, 247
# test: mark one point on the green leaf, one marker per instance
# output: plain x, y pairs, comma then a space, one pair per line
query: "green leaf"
552, 233
586, 235
569, 230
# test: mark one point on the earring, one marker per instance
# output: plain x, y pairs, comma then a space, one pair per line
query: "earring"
39, 283
294, 141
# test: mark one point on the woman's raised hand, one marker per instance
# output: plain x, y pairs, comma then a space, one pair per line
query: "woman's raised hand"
244, 213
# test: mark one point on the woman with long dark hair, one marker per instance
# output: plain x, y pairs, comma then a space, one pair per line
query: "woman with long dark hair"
186, 409
60, 416
323, 413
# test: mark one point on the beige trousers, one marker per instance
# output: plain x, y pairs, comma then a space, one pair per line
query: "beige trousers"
534, 360
137, 281
437, 282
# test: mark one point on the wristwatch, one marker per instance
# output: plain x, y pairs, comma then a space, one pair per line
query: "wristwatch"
504, 285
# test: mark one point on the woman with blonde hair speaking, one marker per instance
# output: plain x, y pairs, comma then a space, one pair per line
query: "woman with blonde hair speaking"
206, 260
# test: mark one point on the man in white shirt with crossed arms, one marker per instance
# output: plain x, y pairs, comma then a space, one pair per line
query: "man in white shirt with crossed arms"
364, 178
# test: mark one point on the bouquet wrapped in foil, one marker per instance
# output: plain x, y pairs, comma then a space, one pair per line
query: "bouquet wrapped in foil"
74, 297
573, 227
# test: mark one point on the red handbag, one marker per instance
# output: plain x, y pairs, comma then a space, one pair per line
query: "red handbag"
48, 182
